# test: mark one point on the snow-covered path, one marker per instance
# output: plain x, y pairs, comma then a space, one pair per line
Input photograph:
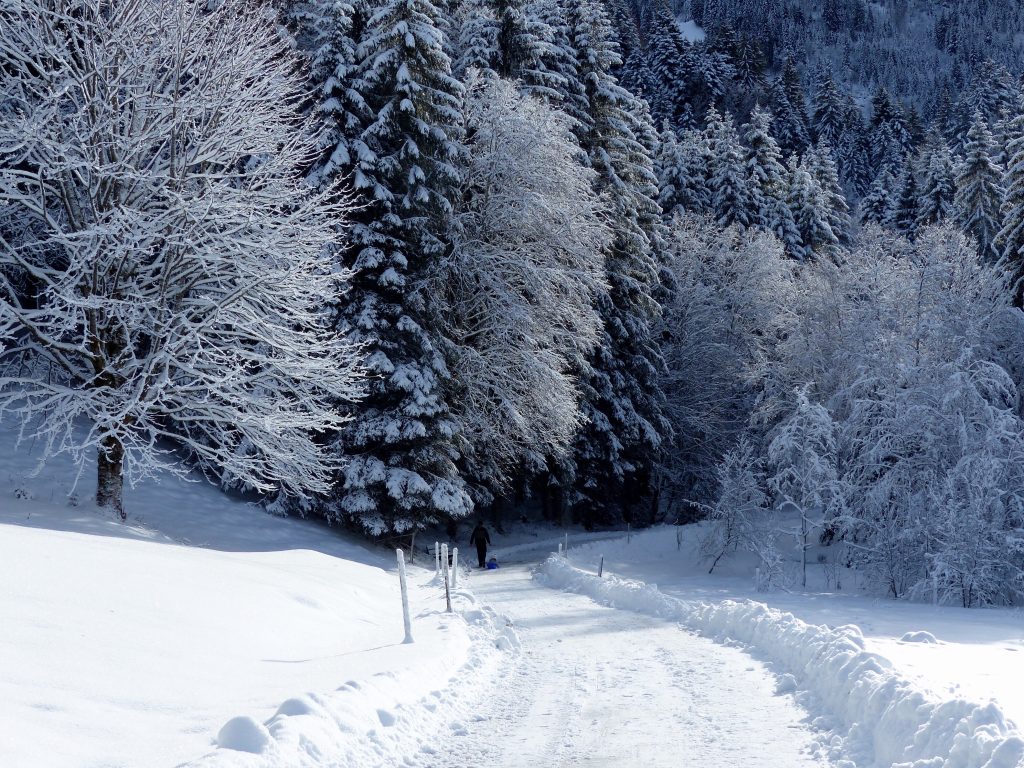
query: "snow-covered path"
595, 686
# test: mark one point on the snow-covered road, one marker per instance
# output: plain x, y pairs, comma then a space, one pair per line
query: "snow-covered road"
595, 686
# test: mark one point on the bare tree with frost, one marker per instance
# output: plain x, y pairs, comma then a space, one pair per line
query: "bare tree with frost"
151, 196
519, 287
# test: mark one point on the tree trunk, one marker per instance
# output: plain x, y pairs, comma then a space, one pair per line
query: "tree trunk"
109, 475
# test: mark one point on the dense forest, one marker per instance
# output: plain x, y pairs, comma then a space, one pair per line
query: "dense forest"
396, 262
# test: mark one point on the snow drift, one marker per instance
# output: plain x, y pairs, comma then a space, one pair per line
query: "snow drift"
873, 715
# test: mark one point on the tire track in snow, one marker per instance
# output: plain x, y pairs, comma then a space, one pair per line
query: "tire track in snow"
600, 688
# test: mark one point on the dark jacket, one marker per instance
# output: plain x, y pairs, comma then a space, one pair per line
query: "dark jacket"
480, 537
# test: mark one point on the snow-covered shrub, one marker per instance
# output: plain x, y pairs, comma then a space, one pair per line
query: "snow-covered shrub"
743, 510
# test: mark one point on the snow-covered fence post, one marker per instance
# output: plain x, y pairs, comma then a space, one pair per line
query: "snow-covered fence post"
757, 579
679, 539
447, 577
600, 568
565, 549
629, 532
405, 595
437, 557
455, 568
559, 549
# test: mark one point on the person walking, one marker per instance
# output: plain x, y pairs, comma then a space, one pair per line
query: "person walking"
480, 538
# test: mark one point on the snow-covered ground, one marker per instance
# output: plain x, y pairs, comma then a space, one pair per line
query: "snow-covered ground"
207, 633
595, 686
135, 644
889, 680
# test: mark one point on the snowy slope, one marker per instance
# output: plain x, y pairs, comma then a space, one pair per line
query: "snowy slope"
945, 691
123, 645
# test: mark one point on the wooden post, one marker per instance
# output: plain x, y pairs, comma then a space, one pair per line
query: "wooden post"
437, 557
628, 532
565, 549
600, 568
405, 595
455, 568
447, 575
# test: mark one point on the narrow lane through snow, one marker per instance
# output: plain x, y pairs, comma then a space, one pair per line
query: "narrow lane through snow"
595, 686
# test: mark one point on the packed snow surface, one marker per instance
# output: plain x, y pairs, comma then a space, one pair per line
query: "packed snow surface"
595, 686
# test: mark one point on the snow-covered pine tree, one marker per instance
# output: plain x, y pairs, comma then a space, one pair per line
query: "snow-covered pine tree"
476, 33
180, 262
830, 113
668, 63
1010, 239
766, 175
979, 192
902, 215
403, 474
731, 199
809, 205
876, 204
823, 168
558, 61
938, 187
333, 30
784, 227
788, 127
681, 164
616, 450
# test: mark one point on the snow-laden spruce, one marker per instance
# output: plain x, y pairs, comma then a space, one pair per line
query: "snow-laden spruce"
163, 264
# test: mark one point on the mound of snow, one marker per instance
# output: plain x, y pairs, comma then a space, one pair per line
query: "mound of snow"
918, 637
244, 735
878, 716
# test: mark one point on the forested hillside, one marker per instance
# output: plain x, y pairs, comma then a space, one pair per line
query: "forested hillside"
396, 262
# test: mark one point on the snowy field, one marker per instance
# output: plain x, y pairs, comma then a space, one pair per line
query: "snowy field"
134, 645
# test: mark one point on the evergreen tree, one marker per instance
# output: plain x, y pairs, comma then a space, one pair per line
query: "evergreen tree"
333, 31
830, 113
681, 164
1010, 239
823, 168
668, 62
938, 188
809, 205
902, 215
766, 175
783, 226
978, 188
615, 451
731, 200
789, 128
876, 204
402, 474
558, 61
